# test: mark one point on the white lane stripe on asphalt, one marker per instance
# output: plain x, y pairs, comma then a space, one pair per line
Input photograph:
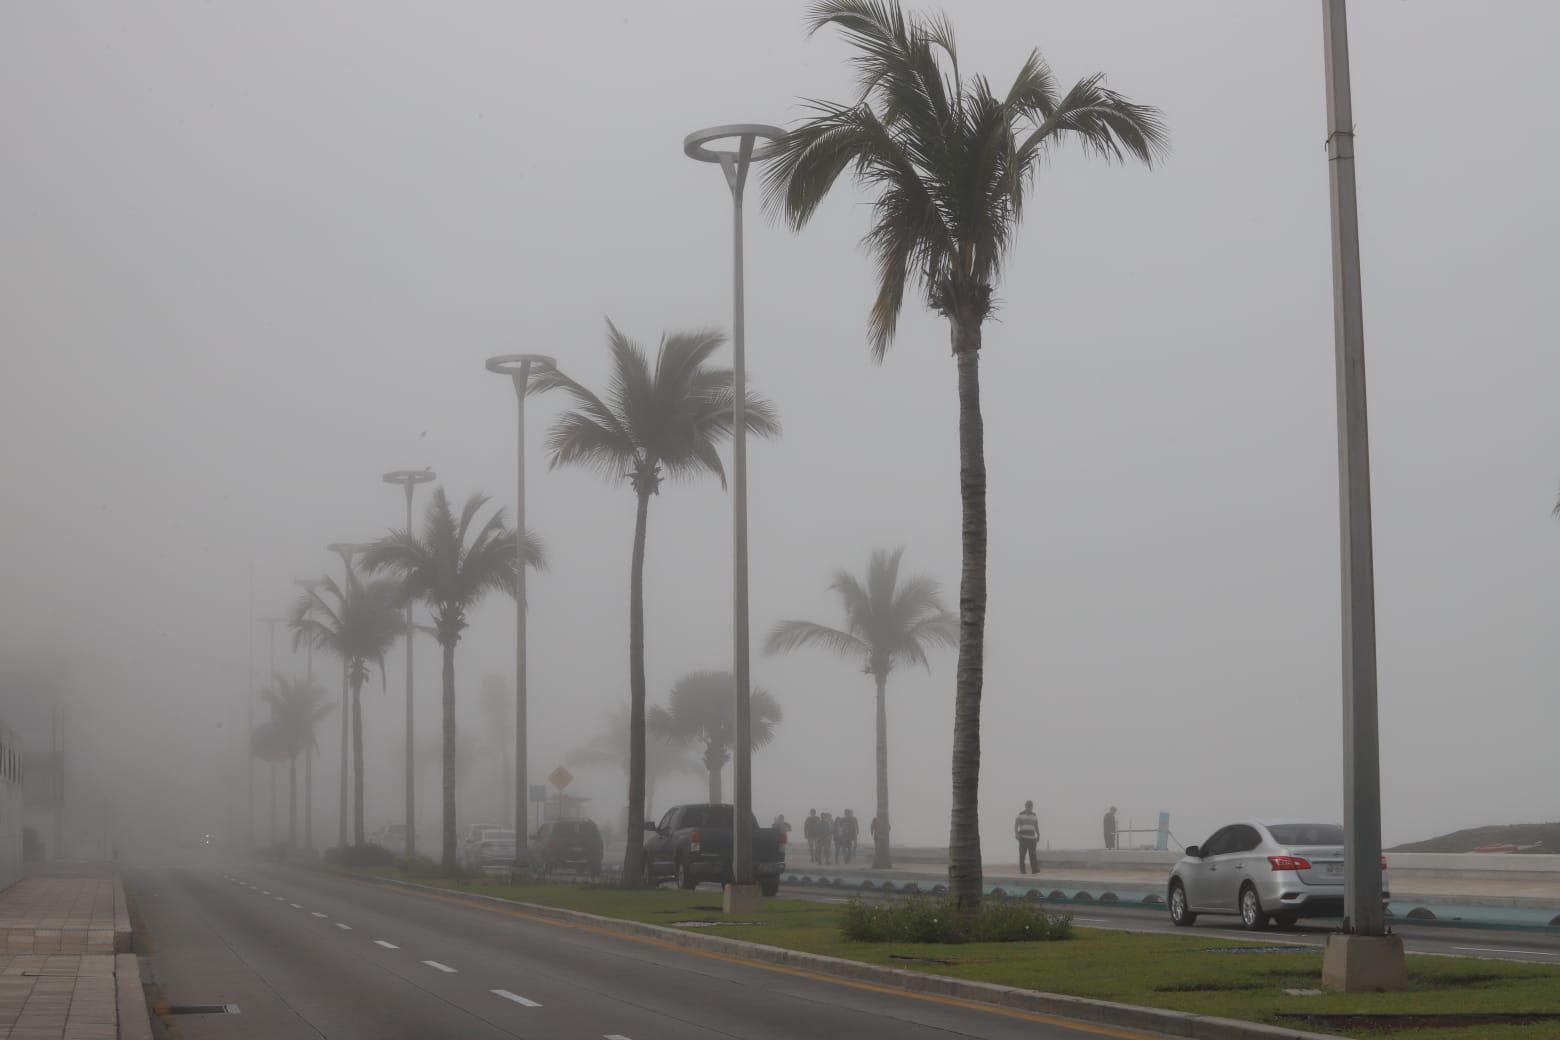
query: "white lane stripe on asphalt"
279, 899
436, 966
265, 891
316, 913
386, 945
614, 1036
344, 927
296, 906
517, 998
1487, 949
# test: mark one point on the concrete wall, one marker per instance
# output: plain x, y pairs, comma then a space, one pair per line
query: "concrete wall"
10, 809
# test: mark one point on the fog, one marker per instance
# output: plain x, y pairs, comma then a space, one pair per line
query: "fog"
253, 255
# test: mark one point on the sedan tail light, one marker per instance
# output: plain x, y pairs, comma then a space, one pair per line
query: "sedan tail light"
694, 841
1289, 862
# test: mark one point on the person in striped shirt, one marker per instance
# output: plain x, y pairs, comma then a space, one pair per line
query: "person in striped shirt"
1026, 828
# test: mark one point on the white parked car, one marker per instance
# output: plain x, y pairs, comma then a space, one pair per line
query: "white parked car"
488, 847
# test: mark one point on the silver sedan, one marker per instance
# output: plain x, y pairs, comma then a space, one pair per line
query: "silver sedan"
1278, 870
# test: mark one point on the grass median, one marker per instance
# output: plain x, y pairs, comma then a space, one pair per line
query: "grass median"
1257, 981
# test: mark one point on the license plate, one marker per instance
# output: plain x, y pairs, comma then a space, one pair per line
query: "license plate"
1334, 869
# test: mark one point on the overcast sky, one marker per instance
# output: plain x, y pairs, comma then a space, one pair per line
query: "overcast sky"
253, 255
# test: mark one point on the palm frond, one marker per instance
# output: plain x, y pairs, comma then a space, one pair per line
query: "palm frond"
793, 635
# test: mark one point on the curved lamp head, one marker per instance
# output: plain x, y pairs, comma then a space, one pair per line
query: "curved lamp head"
747, 135
516, 364
409, 477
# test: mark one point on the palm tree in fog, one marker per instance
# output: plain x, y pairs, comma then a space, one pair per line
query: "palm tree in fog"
653, 422
701, 709
950, 165
269, 745
609, 747
359, 623
452, 568
297, 707
887, 623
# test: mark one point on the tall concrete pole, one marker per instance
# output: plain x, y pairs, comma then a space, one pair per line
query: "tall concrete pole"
1375, 963
735, 166
518, 367
409, 479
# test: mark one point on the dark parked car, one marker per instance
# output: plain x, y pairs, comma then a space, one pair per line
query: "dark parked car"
692, 843
573, 845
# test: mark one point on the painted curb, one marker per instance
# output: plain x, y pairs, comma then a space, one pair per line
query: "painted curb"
1085, 1009
135, 1021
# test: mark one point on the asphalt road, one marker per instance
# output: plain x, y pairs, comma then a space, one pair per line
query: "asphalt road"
1488, 943
304, 954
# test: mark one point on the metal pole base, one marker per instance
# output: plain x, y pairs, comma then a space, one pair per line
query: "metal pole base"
1364, 964
742, 899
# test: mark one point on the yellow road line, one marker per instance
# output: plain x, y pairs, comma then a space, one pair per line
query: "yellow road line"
805, 973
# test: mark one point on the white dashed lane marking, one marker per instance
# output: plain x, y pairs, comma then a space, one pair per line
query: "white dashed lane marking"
436, 966
344, 927
517, 998
316, 913
296, 906
386, 945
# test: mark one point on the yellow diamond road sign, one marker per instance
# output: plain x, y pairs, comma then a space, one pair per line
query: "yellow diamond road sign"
560, 778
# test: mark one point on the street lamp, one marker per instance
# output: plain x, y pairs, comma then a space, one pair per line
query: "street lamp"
1363, 957
519, 367
309, 585
408, 479
346, 550
741, 896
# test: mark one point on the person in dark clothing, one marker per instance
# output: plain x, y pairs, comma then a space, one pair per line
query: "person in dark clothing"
810, 832
1026, 828
1110, 828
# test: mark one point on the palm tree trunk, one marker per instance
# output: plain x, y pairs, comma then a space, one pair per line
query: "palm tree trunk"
633, 868
880, 858
357, 763
713, 764
292, 802
964, 866
448, 856
308, 796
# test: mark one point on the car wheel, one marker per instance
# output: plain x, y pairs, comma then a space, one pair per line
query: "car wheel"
1251, 913
1180, 910
685, 880
769, 886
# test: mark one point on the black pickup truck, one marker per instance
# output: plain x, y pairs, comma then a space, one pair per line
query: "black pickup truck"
692, 843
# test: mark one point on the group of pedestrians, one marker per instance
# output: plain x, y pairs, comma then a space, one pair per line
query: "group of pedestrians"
830, 838
1026, 831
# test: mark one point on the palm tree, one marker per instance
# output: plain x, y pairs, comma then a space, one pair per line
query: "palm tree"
268, 745
668, 420
887, 624
609, 747
359, 624
950, 164
297, 706
702, 707
451, 570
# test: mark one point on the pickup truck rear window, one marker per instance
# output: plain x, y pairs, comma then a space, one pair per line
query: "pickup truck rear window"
716, 817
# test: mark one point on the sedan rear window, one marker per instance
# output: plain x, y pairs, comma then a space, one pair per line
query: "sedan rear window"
1307, 833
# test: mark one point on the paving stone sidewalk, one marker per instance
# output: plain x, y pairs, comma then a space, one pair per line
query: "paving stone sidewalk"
57, 969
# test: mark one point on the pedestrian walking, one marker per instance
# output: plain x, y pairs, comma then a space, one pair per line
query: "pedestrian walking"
826, 838
1110, 828
852, 825
810, 832
783, 825
1026, 828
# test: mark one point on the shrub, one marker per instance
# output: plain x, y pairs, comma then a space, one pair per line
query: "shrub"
419, 866
931, 920
369, 855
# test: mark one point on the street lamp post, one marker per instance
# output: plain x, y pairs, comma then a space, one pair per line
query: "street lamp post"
308, 584
741, 896
346, 550
1363, 957
408, 479
519, 368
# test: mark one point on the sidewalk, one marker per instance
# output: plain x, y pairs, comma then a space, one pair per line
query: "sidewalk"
60, 978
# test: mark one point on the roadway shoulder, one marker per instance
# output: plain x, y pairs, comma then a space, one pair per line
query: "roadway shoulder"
1170, 1023
135, 1022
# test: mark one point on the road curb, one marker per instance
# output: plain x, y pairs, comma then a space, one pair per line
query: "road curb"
1084, 1009
135, 1020
123, 939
